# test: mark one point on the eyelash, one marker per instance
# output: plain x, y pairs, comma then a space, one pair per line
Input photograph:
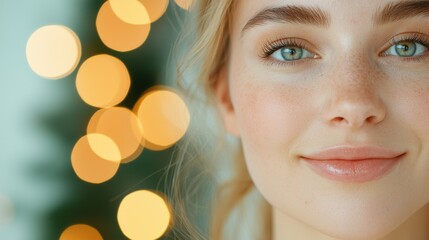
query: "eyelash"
413, 37
272, 46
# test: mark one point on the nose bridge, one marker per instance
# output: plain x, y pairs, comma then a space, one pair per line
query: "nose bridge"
353, 98
353, 78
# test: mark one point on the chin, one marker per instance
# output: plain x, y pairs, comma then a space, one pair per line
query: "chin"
352, 233
360, 226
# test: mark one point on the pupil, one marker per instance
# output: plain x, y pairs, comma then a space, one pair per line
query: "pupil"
406, 49
291, 53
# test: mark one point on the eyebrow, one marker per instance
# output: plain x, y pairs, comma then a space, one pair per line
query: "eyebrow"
290, 14
401, 10
315, 16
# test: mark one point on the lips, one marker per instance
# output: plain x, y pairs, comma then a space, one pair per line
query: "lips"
353, 163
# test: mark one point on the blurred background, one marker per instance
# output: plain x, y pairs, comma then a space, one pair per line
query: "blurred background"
42, 191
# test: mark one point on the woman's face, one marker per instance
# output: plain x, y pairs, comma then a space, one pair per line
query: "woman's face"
347, 76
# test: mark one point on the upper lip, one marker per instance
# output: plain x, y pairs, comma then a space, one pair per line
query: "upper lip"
350, 152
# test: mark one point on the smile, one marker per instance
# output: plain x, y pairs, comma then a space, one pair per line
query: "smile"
353, 164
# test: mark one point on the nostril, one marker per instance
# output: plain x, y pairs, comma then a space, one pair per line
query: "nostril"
372, 119
353, 110
338, 119
353, 121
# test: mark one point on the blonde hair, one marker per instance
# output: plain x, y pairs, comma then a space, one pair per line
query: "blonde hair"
210, 175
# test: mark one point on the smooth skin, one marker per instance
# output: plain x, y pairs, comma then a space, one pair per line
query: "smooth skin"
346, 83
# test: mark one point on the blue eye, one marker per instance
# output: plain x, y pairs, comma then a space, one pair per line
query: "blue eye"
406, 49
291, 53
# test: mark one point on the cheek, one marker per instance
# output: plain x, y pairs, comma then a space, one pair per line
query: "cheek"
270, 117
413, 108
421, 107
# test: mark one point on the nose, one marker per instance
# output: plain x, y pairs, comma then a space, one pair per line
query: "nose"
353, 99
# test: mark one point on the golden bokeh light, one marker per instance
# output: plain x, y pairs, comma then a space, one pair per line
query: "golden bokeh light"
87, 162
53, 51
155, 8
103, 81
130, 11
117, 34
104, 147
143, 215
81, 232
123, 127
7, 210
184, 4
164, 117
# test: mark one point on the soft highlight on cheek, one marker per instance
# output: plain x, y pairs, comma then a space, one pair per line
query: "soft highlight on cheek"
413, 99
271, 116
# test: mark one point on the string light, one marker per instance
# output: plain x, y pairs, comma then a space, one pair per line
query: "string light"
115, 135
53, 51
81, 232
184, 4
103, 81
155, 8
123, 127
95, 158
7, 210
164, 117
117, 34
130, 11
143, 215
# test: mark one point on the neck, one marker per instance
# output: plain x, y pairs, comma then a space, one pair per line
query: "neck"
415, 227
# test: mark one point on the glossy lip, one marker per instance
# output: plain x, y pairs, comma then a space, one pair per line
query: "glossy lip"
347, 163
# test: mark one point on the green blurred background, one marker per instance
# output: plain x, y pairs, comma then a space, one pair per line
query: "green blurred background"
41, 120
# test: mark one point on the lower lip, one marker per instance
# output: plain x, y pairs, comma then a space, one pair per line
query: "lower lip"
353, 170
